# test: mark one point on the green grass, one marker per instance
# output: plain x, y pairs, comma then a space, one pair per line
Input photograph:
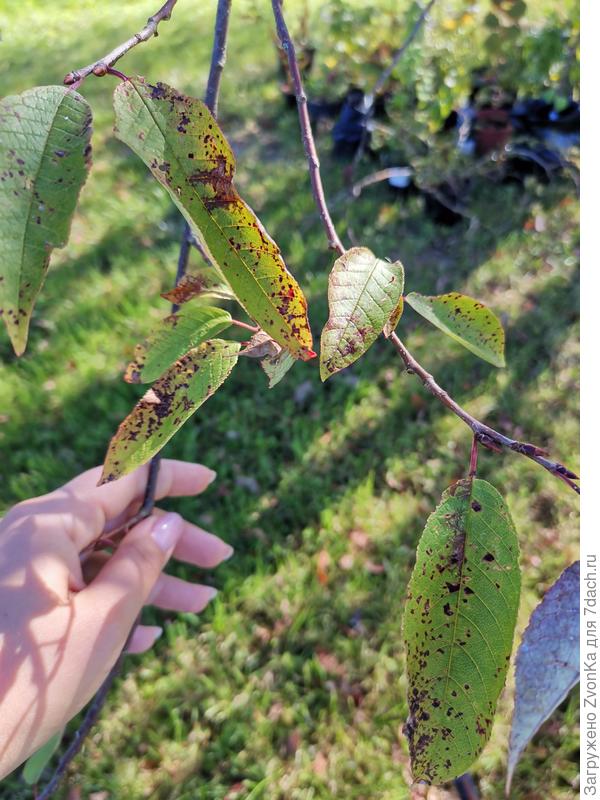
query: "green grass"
289, 687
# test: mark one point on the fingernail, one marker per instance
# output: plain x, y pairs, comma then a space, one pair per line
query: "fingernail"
211, 593
167, 531
211, 476
228, 550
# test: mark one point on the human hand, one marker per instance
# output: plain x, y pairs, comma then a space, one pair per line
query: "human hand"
60, 634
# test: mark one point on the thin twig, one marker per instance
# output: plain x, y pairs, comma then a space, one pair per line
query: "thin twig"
487, 436
383, 79
307, 136
100, 67
91, 715
95, 706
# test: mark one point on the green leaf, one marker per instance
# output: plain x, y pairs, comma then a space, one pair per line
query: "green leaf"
466, 320
176, 334
276, 367
364, 293
36, 763
44, 160
164, 408
179, 140
459, 621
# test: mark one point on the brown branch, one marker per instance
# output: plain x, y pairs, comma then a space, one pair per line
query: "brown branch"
307, 136
101, 66
485, 435
97, 703
91, 715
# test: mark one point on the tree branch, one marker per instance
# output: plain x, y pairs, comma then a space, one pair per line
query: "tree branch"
212, 95
307, 136
487, 436
101, 66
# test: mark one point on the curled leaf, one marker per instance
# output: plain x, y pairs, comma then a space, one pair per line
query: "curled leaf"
179, 140
175, 335
364, 293
194, 284
182, 389
44, 160
459, 622
466, 320
547, 662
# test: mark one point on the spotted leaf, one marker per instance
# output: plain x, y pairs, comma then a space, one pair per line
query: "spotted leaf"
459, 622
175, 335
276, 366
179, 140
44, 160
164, 408
547, 662
364, 292
466, 320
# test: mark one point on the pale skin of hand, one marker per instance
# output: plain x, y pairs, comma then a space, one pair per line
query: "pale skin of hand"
60, 632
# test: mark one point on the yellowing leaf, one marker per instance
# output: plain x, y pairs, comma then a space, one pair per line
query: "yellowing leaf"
466, 320
164, 408
44, 160
364, 292
179, 140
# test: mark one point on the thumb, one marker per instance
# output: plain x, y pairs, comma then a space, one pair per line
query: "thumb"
114, 598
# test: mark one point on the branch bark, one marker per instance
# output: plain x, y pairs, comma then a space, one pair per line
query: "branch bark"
484, 434
101, 67
307, 138
212, 95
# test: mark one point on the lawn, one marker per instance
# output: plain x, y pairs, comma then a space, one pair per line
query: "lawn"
291, 686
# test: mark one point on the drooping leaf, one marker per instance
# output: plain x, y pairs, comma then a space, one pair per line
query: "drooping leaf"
466, 320
276, 367
179, 140
36, 763
164, 408
175, 335
547, 662
364, 292
194, 284
274, 359
459, 622
391, 324
44, 160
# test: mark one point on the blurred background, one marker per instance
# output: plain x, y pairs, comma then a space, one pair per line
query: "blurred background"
291, 686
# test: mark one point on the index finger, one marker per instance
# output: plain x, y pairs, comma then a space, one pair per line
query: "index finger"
175, 479
87, 507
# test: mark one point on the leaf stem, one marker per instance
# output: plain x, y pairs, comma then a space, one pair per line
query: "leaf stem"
253, 328
473, 461
490, 438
